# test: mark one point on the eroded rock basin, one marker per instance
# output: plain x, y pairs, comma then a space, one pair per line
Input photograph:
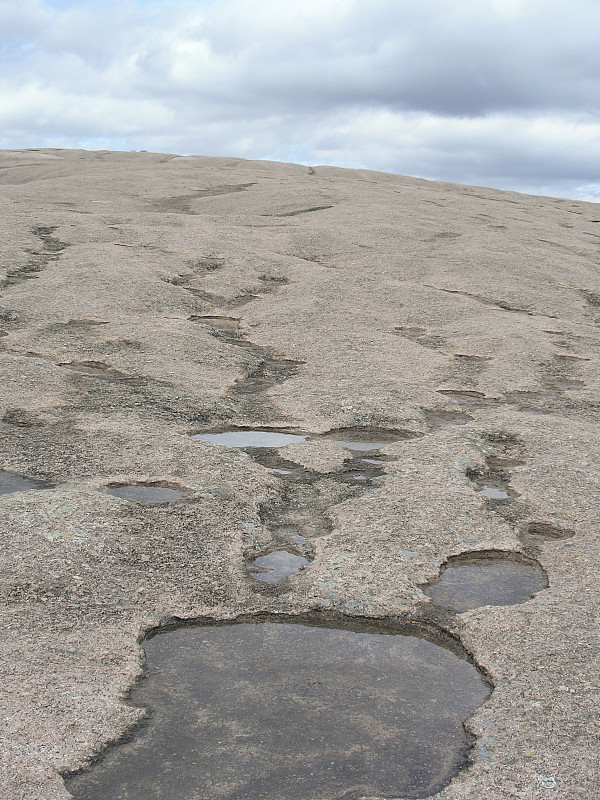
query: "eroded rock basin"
292, 711
145, 493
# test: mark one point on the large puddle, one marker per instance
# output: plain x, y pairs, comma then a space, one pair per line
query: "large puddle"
291, 711
471, 581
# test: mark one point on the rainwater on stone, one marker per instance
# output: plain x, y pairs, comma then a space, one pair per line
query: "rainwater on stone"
277, 565
291, 711
251, 438
493, 493
10, 483
472, 582
364, 440
142, 493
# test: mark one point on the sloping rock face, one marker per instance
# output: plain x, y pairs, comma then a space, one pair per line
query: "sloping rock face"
146, 299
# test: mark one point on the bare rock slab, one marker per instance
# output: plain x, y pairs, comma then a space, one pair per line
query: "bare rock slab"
419, 363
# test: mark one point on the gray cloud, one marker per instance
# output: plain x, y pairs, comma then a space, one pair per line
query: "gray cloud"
497, 92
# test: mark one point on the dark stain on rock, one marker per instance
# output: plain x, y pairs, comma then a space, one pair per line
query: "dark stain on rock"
21, 418
467, 396
39, 259
95, 368
442, 418
420, 336
182, 204
296, 212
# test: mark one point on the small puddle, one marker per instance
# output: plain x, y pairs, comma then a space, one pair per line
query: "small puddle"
363, 440
145, 493
493, 481
251, 438
493, 493
291, 710
276, 565
10, 483
471, 580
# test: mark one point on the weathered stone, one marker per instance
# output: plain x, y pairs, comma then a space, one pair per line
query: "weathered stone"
466, 317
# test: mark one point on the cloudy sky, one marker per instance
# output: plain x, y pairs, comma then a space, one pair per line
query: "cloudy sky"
501, 93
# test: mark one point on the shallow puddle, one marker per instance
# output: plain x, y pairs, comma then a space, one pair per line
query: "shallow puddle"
277, 565
251, 438
15, 483
145, 493
291, 712
363, 440
493, 493
470, 582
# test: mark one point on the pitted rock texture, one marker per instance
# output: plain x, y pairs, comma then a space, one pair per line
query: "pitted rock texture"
145, 298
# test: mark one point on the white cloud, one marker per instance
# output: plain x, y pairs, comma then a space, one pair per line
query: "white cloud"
503, 92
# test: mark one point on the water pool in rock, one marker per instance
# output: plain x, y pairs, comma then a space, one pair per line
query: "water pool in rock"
363, 440
493, 493
252, 438
291, 711
472, 581
277, 565
10, 483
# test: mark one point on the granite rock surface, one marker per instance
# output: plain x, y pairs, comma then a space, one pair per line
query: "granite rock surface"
147, 298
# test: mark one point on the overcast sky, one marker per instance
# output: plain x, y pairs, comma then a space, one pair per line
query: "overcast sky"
501, 93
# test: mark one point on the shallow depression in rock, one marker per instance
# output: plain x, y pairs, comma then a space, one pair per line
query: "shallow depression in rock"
277, 565
363, 440
145, 493
291, 712
470, 582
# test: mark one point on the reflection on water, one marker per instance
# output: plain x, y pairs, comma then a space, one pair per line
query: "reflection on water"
14, 483
277, 565
251, 438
